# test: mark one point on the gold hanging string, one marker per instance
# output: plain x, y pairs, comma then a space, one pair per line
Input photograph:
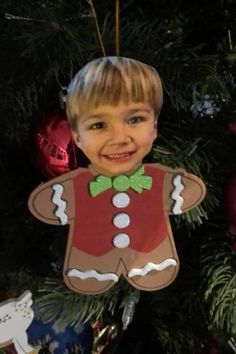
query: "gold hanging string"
117, 27
90, 2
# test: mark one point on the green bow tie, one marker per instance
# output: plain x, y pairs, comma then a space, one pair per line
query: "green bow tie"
137, 181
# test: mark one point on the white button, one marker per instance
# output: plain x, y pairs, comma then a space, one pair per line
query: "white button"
121, 220
121, 240
121, 200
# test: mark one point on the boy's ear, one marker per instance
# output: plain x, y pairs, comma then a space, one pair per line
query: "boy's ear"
75, 137
155, 134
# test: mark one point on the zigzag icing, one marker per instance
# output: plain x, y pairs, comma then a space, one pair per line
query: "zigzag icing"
152, 266
60, 203
176, 195
92, 274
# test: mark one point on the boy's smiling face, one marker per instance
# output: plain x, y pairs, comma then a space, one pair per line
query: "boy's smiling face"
116, 138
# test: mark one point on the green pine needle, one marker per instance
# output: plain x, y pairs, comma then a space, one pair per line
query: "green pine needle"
219, 286
57, 301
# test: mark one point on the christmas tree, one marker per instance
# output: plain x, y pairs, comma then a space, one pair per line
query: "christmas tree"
192, 46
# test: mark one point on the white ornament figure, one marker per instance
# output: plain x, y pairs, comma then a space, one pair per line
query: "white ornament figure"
15, 317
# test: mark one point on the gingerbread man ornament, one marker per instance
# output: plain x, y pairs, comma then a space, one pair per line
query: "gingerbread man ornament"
117, 209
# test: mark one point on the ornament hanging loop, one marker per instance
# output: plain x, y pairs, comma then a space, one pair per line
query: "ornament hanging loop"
94, 15
117, 27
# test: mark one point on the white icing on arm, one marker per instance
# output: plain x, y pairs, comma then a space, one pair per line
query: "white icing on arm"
92, 274
152, 266
176, 195
60, 203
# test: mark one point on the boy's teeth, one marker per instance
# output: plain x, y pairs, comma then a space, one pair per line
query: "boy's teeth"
118, 156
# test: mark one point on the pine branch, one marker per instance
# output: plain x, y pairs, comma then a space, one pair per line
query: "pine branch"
186, 74
57, 301
219, 284
191, 156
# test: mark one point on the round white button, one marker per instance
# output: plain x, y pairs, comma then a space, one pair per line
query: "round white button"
121, 240
121, 200
121, 220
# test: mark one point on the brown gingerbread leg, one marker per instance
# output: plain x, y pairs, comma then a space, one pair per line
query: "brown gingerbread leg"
89, 274
153, 270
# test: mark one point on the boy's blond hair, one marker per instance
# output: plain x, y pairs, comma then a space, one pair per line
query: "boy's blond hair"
109, 80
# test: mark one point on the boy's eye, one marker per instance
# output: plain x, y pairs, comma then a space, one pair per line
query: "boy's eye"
97, 125
135, 120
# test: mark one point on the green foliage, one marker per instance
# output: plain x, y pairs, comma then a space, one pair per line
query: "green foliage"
219, 284
57, 301
193, 157
187, 74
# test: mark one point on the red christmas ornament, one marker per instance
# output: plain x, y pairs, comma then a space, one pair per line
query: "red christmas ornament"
230, 204
232, 128
55, 152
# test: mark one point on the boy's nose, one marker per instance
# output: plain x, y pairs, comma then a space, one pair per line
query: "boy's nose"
119, 135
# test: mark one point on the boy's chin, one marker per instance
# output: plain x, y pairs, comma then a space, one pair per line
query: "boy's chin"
116, 170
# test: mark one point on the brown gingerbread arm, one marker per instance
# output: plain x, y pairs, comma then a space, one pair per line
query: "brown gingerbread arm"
53, 202
182, 191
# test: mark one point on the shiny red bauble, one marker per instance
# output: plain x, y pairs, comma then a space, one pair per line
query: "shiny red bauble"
55, 151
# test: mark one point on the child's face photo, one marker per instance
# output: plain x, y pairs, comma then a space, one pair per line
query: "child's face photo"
116, 138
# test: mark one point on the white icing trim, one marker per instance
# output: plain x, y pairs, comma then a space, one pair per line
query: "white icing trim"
152, 266
92, 274
176, 195
60, 203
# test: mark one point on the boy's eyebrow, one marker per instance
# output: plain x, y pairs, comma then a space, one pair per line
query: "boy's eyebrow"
135, 110
129, 111
98, 115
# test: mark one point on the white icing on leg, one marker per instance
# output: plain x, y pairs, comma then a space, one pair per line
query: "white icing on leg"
152, 266
60, 203
92, 274
176, 195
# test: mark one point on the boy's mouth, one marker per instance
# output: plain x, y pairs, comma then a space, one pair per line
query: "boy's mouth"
119, 157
